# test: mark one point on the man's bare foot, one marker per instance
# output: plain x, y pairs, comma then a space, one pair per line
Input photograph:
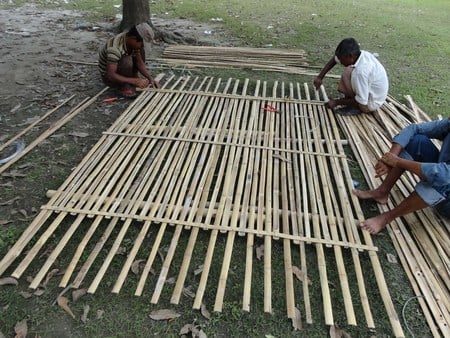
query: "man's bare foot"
375, 224
371, 194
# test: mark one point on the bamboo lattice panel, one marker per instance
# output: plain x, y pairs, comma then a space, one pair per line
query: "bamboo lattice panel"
206, 153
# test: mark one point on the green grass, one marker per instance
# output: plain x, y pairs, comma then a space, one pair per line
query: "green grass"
411, 37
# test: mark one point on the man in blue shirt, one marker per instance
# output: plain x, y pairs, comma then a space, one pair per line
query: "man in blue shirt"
413, 150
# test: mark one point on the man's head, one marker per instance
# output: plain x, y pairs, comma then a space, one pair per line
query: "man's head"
137, 35
347, 52
144, 31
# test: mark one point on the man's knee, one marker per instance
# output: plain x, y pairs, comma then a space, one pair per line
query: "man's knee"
422, 149
125, 66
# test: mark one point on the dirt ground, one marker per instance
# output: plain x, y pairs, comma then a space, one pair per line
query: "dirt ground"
36, 47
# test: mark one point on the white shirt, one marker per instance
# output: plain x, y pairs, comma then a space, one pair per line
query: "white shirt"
369, 81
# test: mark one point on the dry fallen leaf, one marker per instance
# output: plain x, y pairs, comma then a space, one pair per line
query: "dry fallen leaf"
297, 321
205, 311
391, 258
39, 292
161, 255
63, 302
198, 333
86, 309
25, 294
199, 270
8, 281
79, 134
77, 294
260, 252
21, 329
187, 291
337, 332
300, 275
24, 213
100, 314
185, 330
10, 202
121, 250
164, 314
50, 276
137, 266
171, 280
280, 157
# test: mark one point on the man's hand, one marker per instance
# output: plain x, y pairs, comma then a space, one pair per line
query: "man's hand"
390, 159
154, 83
381, 168
141, 83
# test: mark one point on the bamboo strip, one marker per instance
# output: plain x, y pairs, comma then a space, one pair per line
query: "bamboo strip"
327, 189
140, 194
349, 221
184, 187
161, 199
299, 176
285, 171
236, 96
231, 110
27, 260
32, 125
251, 194
315, 209
200, 198
235, 144
239, 164
54, 127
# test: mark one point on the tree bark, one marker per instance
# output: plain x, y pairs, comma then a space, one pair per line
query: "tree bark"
137, 11
134, 12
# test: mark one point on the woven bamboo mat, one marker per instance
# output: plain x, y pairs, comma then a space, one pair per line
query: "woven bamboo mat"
256, 159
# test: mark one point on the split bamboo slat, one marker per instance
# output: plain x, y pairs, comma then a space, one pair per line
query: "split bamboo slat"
257, 159
261, 59
421, 239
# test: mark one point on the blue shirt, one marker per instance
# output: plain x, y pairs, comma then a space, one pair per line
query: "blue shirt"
436, 174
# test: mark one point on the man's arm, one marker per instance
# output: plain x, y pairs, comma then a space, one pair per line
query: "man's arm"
382, 168
114, 76
140, 64
318, 80
397, 162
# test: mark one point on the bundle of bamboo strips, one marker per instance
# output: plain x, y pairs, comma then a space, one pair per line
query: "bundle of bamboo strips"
263, 59
421, 238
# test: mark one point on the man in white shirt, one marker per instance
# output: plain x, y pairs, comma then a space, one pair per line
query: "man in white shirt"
364, 81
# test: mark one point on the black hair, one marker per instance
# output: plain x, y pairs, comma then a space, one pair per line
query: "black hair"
134, 32
346, 47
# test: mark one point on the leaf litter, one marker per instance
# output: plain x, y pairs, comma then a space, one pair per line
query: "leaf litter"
63, 302
164, 314
21, 329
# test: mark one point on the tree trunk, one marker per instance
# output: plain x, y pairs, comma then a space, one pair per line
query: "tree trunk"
134, 12
138, 11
